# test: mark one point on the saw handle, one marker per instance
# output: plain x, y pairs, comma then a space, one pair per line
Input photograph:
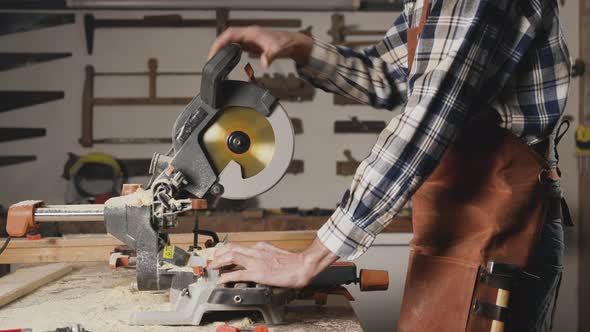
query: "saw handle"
21, 218
216, 70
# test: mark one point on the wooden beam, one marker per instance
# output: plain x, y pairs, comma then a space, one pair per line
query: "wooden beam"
97, 247
235, 222
26, 280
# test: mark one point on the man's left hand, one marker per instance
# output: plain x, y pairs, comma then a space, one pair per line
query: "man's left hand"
266, 264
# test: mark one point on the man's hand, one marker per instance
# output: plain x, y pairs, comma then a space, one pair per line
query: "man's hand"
267, 44
266, 264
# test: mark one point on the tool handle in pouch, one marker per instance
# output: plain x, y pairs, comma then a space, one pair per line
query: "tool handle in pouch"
216, 70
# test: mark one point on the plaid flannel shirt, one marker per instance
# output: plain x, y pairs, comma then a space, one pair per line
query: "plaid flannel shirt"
509, 56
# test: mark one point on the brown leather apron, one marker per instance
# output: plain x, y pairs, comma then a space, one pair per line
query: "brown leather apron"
484, 202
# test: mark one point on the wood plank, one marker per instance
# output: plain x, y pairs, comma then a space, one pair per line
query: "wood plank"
26, 280
97, 247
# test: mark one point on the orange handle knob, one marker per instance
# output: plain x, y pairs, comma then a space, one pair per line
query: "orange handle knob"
374, 280
21, 218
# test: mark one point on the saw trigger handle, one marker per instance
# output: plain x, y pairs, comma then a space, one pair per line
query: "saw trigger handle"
216, 70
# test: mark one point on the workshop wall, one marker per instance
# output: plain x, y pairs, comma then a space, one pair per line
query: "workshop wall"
186, 50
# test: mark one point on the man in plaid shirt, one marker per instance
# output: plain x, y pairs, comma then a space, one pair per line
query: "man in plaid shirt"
505, 55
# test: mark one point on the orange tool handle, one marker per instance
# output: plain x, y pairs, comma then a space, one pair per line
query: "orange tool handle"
374, 280
21, 218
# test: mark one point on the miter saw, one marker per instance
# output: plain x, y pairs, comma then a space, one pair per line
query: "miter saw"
235, 141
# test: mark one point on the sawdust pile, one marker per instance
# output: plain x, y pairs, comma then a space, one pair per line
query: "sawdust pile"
101, 300
94, 297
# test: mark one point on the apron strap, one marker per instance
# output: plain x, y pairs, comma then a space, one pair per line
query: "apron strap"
414, 33
558, 207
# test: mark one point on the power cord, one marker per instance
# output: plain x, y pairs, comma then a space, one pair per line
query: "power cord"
5, 244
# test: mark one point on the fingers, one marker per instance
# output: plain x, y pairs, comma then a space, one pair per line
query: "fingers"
231, 257
271, 52
239, 276
253, 39
230, 35
265, 246
246, 250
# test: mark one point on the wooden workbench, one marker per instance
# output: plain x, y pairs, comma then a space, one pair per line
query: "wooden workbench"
101, 300
97, 247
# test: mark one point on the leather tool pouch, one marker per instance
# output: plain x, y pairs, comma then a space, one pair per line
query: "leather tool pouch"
449, 295
490, 306
465, 297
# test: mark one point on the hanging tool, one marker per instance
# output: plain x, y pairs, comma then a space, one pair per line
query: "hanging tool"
578, 68
15, 60
234, 140
13, 160
89, 101
339, 31
295, 167
12, 22
348, 167
130, 166
10, 100
221, 22
93, 178
295, 122
289, 88
13, 134
357, 126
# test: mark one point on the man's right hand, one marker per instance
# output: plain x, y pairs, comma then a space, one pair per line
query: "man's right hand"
267, 44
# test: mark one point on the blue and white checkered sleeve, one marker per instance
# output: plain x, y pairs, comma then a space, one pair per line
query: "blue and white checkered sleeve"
374, 76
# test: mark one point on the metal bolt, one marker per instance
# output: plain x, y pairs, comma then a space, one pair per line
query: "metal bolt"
217, 189
237, 299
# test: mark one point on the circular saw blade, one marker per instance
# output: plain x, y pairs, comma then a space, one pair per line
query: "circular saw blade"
259, 133
270, 146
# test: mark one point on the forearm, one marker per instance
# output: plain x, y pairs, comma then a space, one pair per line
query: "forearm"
365, 78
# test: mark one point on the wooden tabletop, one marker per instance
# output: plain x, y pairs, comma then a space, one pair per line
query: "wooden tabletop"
100, 299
